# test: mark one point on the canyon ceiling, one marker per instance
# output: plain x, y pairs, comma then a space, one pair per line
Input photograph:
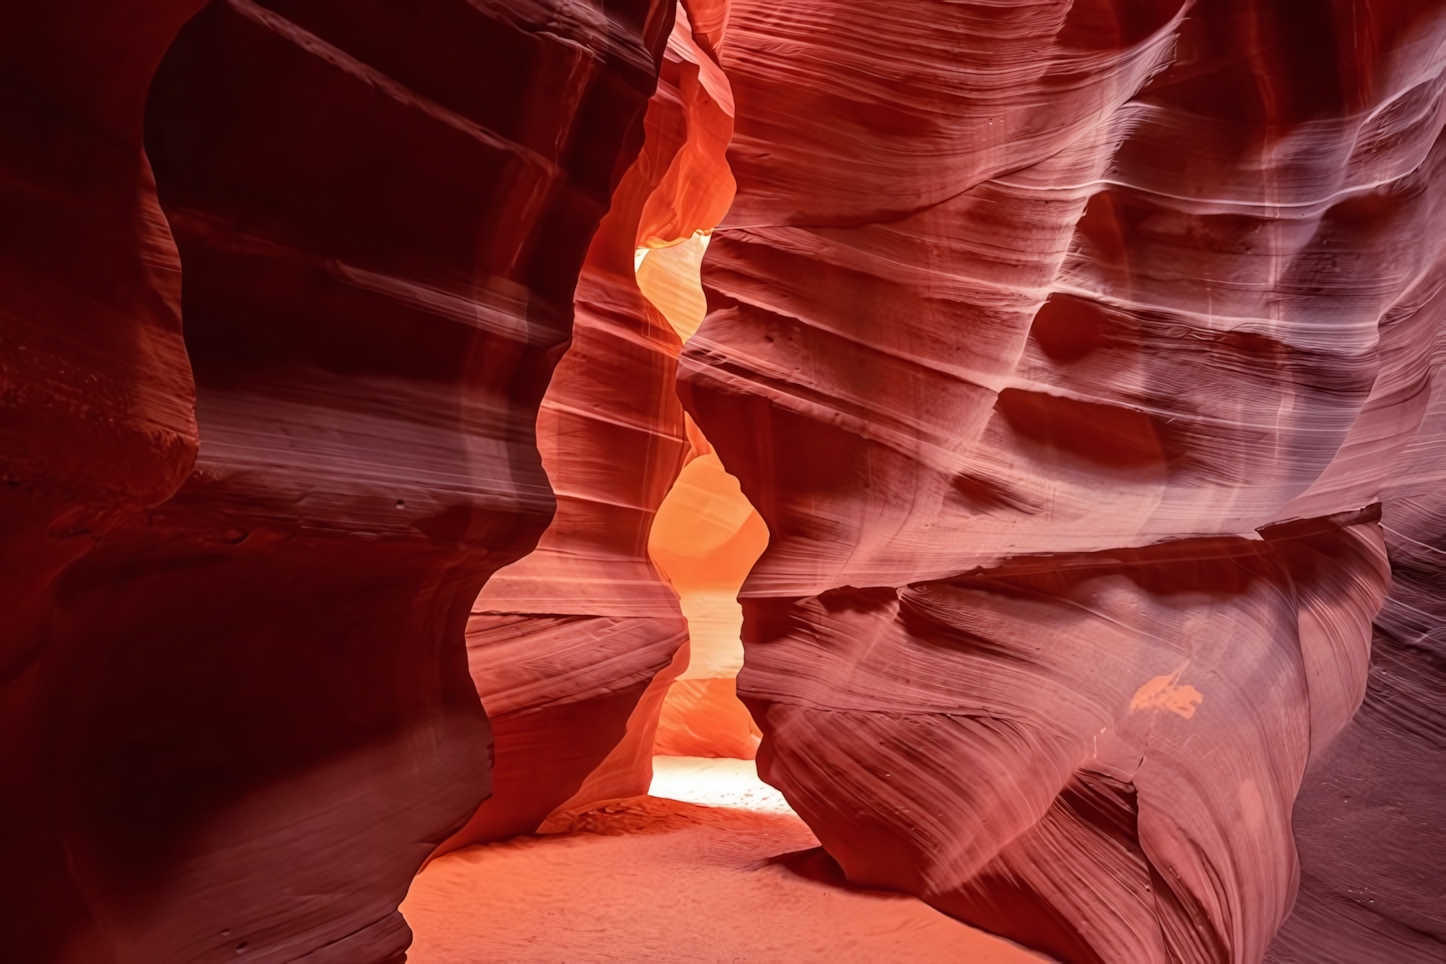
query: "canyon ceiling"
1084, 361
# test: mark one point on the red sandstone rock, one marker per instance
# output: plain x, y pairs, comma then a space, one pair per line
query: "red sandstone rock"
1368, 819
1068, 352
98, 418
571, 648
242, 720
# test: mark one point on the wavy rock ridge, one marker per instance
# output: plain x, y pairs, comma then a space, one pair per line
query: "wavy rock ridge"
1070, 352
572, 648
237, 711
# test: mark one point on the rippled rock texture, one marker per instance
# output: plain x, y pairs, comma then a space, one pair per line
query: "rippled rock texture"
1074, 354
1368, 819
573, 648
252, 491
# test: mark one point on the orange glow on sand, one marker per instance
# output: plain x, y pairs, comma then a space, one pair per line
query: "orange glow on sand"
712, 867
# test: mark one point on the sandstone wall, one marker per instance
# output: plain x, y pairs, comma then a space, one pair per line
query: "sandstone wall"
240, 716
1070, 352
572, 649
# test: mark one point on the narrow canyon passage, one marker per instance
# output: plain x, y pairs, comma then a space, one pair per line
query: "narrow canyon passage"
568, 481
712, 864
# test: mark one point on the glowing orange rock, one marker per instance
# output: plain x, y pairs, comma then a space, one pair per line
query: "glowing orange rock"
573, 648
706, 538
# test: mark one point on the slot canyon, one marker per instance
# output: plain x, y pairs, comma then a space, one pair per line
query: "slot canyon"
570, 481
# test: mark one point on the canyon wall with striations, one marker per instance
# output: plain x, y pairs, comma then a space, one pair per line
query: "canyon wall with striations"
573, 648
284, 284
1368, 821
1081, 359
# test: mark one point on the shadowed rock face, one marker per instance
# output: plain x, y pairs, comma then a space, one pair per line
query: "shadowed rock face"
98, 418
1073, 354
240, 715
573, 648
1368, 819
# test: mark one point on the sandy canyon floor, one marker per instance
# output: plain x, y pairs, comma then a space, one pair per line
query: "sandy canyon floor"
713, 866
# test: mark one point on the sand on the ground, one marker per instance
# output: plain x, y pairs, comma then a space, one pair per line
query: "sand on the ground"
712, 867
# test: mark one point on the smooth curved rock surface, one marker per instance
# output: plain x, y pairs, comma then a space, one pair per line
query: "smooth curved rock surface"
573, 647
1070, 352
1082, 357
1368, 820
98, 419
246, 717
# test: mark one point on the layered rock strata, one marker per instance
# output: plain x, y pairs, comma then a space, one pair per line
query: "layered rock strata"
242, 716
573, 648
1069, 352
1368, 819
